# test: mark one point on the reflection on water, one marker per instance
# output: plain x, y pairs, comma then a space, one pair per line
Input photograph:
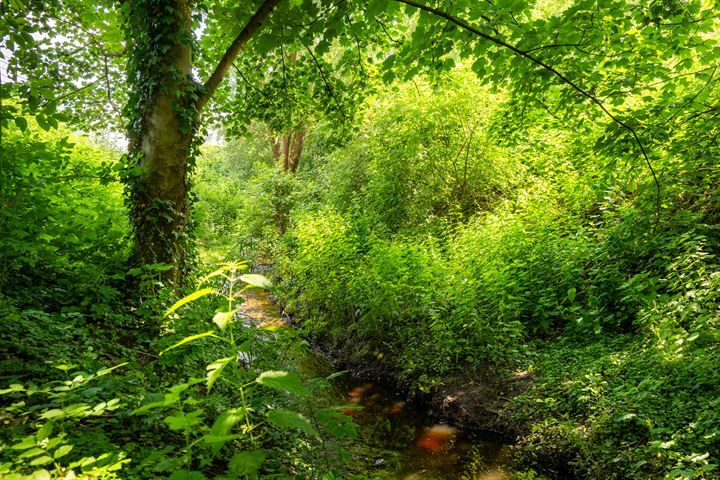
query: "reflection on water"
437, 438
397, 439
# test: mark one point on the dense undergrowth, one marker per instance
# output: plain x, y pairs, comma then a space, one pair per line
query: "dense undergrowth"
96, 382
442, 242
437, 240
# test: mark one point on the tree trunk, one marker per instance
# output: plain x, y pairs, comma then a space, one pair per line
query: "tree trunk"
287, 148
161, 146
165, 107
296, 148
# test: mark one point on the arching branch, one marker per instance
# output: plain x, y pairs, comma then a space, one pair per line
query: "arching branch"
252, 27
583, 92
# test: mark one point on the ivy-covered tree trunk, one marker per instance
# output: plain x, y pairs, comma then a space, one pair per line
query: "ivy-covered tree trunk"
161, 132
164, 109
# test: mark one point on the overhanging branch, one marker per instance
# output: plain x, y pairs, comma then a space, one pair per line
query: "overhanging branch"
252, 27
522, 53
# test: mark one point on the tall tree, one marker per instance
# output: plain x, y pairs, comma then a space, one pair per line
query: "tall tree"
164, 108
166, 103
644, 66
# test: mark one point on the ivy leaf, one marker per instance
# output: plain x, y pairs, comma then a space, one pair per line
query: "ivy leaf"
289, 419
282, 381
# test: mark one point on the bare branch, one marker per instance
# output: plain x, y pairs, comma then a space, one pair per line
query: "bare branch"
247, 82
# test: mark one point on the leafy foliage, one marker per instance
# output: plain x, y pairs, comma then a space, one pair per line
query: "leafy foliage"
568, 261
61, 212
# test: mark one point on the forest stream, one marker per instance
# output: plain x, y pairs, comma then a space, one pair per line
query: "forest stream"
396, 438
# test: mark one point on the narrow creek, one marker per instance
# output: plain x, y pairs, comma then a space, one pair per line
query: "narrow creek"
396, 439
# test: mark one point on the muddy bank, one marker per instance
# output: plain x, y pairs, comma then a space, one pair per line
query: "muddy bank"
399, 436
473, 402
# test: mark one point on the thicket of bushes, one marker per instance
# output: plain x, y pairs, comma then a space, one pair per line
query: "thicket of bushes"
443, 243
95, 383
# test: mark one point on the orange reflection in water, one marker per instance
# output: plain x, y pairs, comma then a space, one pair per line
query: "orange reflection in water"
360, 391
272, 323
437, 438
395, 408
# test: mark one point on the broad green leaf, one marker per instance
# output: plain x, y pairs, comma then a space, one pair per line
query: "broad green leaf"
185, 340
41, 474
148, 406
170, 398
15, 387
255, 280
21, 123
220, 431
105, 371
214, 370
62, 451
42, 122
217, 273
288, 419
184, 421
65, 367
44, 460
72, 410
337, 423
246, 463
33, 452
571, 293
222, 319
217, 441
44, 432
189, 298
335, 375
283, 381
52, 413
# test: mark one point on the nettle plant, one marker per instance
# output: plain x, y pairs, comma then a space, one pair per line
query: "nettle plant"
259, 397
55, 409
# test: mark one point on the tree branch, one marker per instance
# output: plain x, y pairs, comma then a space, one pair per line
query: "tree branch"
247, 82
497, 41
252, 27
325, 81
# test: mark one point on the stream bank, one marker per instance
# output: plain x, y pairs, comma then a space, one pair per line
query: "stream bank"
452, 433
